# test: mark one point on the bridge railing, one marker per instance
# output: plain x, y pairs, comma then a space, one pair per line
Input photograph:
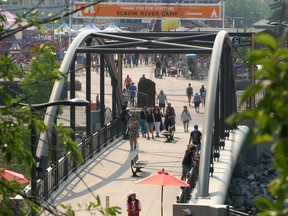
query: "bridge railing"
248, 102
185, 195
232, 212
64, 167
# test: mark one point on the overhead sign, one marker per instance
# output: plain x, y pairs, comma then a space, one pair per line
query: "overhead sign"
150, 11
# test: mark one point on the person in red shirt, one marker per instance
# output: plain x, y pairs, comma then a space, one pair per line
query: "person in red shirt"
127, 82
133, 205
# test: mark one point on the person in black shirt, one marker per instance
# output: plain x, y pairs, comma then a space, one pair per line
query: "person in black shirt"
189, 159
158, 120
150, 123
169, 118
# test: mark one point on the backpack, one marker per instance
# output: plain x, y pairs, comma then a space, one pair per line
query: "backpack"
189, 90
195, 136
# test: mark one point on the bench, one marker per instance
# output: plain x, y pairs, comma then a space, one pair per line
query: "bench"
169, 134
137, 165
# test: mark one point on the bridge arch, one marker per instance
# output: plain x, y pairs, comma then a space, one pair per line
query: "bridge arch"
68, 68
221, 87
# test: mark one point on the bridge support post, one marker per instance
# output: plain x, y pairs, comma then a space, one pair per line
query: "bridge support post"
88, 88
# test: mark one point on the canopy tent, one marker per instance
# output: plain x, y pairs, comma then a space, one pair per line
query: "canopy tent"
64, 30
12, 21
15, 48
113, 28
90, 26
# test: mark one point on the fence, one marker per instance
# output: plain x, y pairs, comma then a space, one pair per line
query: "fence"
187, 191
232, 212
59, 172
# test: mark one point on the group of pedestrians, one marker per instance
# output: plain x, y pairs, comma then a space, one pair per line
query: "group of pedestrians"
129, 92
197, 98
150, 120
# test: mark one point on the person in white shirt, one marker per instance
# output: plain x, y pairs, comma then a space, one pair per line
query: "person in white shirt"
186, 118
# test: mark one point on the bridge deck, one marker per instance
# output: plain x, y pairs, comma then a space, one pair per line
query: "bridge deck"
110, 174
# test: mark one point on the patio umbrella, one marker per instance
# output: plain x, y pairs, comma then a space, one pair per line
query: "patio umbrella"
13, 176
162, 178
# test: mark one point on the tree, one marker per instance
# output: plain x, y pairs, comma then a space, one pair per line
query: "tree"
270, 116
280, 15
15, 121
247, 11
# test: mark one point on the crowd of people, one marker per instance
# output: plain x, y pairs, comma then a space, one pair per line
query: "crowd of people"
150, 121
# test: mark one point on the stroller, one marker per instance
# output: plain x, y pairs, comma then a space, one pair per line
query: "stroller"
172, 72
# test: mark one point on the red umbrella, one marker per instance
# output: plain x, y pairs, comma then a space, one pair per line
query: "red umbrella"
13, 176
162, 178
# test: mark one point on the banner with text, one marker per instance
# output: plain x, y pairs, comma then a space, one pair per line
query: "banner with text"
150, 11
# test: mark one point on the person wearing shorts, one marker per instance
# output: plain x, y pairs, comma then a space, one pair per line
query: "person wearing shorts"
162, 99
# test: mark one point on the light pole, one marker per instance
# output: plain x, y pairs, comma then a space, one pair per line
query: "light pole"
35, 107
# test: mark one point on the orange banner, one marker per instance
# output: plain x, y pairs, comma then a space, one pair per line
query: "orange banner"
150, 11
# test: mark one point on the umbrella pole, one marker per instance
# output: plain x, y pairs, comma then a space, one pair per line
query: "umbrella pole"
162, 200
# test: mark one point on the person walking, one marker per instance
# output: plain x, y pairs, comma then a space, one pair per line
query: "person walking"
195, 138
189, 160
201, 92
162, 99
133, 205
189, 93
181, 67
125, 96
142, 121
169, 118
186, 118
132, 89
127, 82
158, 120
204, 97
150, 123
158, 69
133, 128
197, 101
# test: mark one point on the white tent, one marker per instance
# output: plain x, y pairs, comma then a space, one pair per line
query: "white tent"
89, 26
64, 30
113, 28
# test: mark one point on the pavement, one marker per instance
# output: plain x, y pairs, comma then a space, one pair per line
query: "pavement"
109, 175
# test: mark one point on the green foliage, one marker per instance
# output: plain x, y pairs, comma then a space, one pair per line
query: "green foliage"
37, 82
251, 11
270, 116
93, 207
278, 7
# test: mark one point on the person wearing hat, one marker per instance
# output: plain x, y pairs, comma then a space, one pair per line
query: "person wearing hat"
132, 89
186, 212
190, 160
133, 205
186, 118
